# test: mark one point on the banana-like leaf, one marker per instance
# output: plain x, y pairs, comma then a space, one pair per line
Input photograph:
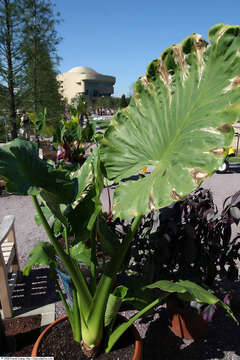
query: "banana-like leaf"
24, 171
178, 121
194, 291
189, 291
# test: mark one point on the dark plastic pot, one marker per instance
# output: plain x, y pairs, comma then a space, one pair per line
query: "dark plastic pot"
138, 352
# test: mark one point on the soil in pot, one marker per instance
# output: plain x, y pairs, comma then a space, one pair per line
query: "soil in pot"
59, 343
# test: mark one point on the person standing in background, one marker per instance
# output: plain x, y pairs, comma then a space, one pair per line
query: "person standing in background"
25, 125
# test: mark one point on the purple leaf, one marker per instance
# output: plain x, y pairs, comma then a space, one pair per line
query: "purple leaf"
208, 312
227, 298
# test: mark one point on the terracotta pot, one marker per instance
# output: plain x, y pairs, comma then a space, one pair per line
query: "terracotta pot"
138, 353
186, 324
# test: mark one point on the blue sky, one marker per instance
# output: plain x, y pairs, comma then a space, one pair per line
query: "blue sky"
121, 38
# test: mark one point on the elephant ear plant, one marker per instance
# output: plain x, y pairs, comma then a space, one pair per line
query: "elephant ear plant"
179, 122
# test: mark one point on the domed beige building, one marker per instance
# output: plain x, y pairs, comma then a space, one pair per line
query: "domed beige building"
84, 80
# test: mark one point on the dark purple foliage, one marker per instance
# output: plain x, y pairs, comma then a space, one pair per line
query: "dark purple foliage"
208, 312
189, 240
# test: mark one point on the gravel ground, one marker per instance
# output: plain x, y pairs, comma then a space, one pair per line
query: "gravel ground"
222, 341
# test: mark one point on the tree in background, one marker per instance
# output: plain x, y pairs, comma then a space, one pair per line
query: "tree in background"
124, 101
46, 94
103, 102
28, 58
40, 87
4, 95
10, 57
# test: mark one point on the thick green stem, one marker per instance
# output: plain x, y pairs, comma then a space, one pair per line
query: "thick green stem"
77, 277
73, 314
65, 234
114, 266
97, 311
76, 318
93, 260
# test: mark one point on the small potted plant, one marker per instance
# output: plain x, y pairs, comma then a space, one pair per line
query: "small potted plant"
171, 107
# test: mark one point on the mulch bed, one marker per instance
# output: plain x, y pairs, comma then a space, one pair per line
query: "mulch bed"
23, 332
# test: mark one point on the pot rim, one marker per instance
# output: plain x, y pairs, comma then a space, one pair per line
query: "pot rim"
137, 346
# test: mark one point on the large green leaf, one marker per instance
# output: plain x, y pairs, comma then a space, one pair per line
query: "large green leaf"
98, 181
108, 239
42, 254
23, 171
73, 131
179, 121
195, 291
83, 175
54, 205
81, 254
188, 291
80, 216
41, 122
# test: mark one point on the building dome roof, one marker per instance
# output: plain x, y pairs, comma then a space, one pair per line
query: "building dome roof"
82, 70
84, 80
